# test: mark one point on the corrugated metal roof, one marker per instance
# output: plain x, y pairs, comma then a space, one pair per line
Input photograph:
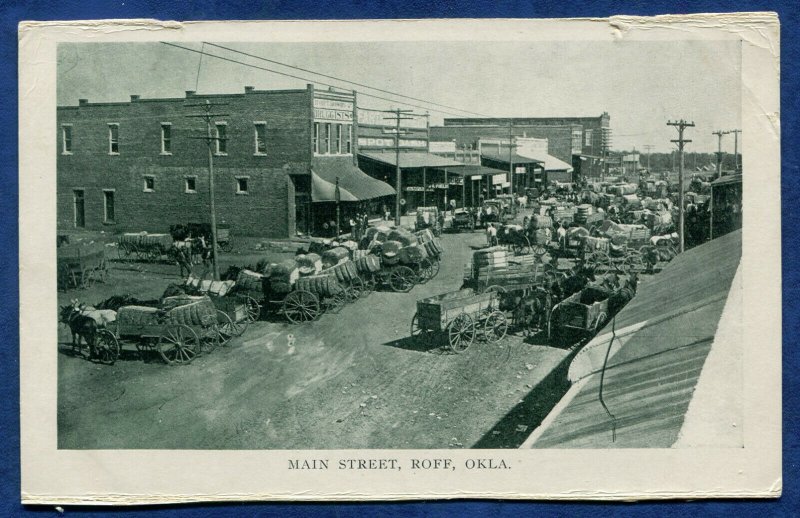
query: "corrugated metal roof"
515, 158
660, 344
410, 159
469, 170
731, 178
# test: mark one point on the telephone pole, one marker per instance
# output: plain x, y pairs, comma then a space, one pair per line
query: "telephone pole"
511, 163
719, 134
735, 149
211, 140
648, 147
681, 125
398, 116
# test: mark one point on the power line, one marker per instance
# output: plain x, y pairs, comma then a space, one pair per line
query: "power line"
304, 78
681, 125
344, 80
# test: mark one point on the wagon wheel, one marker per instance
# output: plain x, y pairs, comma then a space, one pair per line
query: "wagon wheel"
402, 279
107, 347
418, 332
599, 323
539, 250
226, 246
252, 309
178, 344
435, 265
523, 247
336, 302
355, 289
633, 262
154, 254
461, 333
301, 306
123, 251
86, 279
369, 282
495, 327
227, 328
494, 288
425, 271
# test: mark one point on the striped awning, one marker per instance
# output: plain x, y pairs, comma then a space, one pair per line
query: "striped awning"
354, 184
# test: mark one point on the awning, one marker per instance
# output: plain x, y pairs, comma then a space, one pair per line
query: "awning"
477, 170
722, 180
354, 184
550, 163
515, 158
410, 159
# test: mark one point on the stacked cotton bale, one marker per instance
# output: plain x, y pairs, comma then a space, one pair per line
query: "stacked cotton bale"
283, 276
541, 222
628, 188
403, 236
358, 254
592, 244
345, 272
198, 313
583, 212
335, 256
390, 251
138, 316
168, 303
412, 254
349, 245
250, 281
433, 248
489, 259
632, 201
368, 264
659, 219
309, 264
425, 235
322, 285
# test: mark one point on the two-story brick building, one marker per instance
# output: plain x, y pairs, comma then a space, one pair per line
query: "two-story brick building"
278, 156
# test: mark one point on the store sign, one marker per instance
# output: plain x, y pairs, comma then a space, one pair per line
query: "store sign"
389, 142
415, 188
329, 104
457, 180
439, 186
443, 147
323, 114
476, 177
498, 179
520, 170
385, 120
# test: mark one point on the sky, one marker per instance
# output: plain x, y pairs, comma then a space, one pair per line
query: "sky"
641, 85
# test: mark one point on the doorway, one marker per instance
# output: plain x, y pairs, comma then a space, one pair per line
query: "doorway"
80, 215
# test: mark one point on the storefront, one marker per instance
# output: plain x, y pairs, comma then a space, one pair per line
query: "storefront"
527, 171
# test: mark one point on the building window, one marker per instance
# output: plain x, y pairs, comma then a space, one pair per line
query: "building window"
149, 183
241, 185
166, 138
337, 140
108, 206
315, 137
261, 138
222, 138
348, 139
66, 139
190, 186
587, 135
113, 139
326, 148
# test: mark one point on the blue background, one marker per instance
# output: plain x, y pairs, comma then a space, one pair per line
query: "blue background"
13, 12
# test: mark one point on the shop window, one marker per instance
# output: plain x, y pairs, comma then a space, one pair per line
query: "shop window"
66, 139
261, 138
348, 139
149, 183
326, 148
113, 139
108, 206
337, 139
587, 135
221, 137
316, 138
190, 185
166, 138
241, 185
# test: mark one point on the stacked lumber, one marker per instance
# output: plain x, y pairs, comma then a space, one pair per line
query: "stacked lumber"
323, 285
489, 259
522, 261
563, 213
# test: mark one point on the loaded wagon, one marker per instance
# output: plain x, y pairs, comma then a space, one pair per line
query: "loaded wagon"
180, 331
585, 311
463, 219
143, 246
428, 218
79, 266
237, 309
459, 318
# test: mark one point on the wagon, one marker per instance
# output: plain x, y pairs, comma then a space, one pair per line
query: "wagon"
143, 246
224, 240
79, 266
307, 299
585, 312
428, 217
459, 318
179, 334
411, 265
237, 308
515, 238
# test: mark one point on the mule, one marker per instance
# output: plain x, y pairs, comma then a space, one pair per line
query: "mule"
102, 317
82, 328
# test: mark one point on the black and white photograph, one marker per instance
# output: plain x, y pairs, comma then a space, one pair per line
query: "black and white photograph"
464, 252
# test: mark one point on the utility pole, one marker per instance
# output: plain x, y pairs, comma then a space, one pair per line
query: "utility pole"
398, 116
681, 125
648, 147
735, 149
511, 163
211, 140
719, 134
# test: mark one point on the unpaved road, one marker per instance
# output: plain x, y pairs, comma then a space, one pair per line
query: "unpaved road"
351, 380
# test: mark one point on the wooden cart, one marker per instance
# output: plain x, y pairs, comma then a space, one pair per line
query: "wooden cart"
585, 312
459, 318
142, 246
178, 334
237, 308
80, 266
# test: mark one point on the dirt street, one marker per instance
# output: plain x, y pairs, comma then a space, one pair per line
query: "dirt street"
351, 380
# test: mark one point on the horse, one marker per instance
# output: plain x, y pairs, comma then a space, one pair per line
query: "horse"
619, 298
102, 317
82, 328
117, 301
579, 278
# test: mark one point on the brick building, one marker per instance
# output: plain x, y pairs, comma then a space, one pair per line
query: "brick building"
575, 140
143, 164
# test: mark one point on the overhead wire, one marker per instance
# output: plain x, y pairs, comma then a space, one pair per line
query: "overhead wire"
223, 58
345, 80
